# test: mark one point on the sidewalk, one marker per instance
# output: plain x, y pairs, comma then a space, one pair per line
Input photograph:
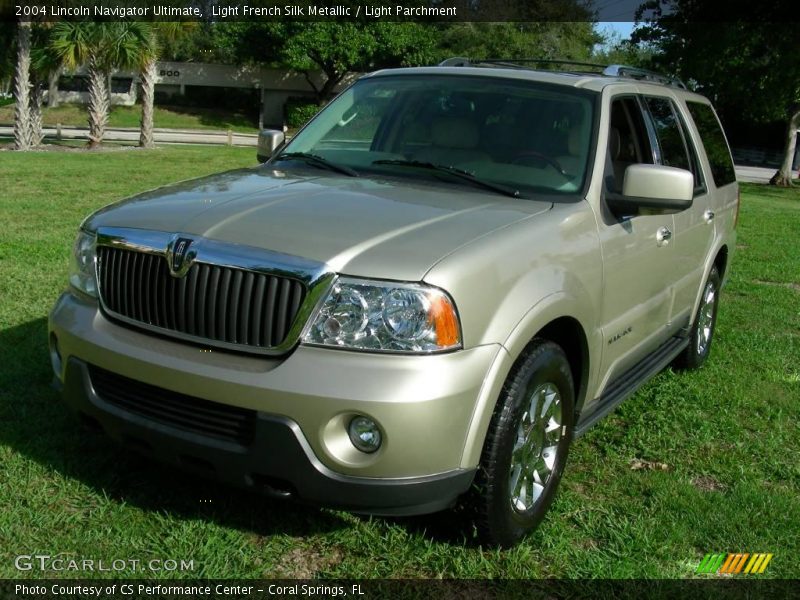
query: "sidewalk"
161, 135
229, 138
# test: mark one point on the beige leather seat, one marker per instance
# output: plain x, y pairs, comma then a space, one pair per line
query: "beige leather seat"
574, 161
454, 141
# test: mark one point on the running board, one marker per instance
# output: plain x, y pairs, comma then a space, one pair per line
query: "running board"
630, 381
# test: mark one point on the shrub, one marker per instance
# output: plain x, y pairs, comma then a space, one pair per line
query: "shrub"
299, 111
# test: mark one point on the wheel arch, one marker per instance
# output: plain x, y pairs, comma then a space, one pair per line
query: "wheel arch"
562, 327
721, 261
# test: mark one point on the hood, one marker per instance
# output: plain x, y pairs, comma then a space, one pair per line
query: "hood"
386, 228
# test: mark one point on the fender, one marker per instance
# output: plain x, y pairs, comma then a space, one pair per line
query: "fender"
553, 306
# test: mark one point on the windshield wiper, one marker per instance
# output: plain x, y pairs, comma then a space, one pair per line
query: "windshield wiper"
455, 171
318, 160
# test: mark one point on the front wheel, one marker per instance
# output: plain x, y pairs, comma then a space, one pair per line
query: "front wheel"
702, 333
526, 446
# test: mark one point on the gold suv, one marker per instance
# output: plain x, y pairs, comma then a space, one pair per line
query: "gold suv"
422, 298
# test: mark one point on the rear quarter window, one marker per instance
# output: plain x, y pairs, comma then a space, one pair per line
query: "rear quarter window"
719, 156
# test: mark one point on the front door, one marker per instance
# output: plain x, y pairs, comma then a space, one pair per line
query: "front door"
638, 254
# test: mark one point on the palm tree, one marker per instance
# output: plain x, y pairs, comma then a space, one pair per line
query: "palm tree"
44, 64
101, 47
22, 84
81, 43
163, 33
147, 77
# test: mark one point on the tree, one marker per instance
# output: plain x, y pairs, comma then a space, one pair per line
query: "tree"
22, 85
748, 68
101, 47
517, 40
44, 65
8, 47
161, 33
334, 48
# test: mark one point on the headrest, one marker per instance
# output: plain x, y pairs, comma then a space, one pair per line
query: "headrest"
455, 132
574, 142
614, 143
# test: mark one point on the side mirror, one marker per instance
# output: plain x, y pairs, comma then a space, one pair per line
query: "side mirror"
268, 141
655, 187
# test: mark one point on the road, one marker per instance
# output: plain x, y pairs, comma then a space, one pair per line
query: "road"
756, 174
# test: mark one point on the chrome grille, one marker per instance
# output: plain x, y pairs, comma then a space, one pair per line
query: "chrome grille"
218, 304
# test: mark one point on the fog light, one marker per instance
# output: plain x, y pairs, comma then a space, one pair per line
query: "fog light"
364, 434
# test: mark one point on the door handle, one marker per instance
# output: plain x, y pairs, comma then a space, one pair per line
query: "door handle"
663, 236
708, 216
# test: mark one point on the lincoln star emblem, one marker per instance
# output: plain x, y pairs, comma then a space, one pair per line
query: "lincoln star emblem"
180, 256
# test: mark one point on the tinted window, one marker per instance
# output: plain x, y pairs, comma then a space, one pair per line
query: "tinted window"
672, 150
675, 144
628, 143
714, 142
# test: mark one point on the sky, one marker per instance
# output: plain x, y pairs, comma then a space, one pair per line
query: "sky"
623, 28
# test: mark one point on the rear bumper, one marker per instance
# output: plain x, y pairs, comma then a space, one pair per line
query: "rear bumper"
278, 461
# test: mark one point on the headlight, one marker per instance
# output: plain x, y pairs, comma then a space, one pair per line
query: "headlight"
81, 268
382, 316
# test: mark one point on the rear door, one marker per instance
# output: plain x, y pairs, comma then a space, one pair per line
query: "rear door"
694, 227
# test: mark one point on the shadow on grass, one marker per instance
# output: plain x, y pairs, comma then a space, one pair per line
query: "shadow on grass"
37, 425
215, 118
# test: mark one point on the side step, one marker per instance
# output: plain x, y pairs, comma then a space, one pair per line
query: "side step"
630, 381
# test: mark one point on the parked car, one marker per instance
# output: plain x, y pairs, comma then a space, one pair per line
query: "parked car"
420, 300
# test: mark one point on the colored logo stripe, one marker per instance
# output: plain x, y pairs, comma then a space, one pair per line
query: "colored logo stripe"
710, 563
734, 563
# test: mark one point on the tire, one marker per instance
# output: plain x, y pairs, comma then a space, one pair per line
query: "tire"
507, 500
702, 332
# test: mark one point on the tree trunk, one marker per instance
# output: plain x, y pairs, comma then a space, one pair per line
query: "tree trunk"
52, 88
37, 97
783, 177
326, 92
148, 79
98, 103
22, 86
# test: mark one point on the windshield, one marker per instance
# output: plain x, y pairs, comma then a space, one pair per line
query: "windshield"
524, 135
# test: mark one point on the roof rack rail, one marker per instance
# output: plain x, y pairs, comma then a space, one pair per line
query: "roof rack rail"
606, 70
456, 61
539, 61
643, 74
459, 61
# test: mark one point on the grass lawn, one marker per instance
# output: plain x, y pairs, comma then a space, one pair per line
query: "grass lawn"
170, 117
728, 434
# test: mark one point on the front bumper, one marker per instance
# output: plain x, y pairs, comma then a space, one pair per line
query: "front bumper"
424, 405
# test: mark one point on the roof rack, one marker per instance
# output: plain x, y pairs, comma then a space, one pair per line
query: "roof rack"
606, 70
643, 74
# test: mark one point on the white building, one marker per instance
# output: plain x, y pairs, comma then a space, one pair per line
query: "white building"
274, 86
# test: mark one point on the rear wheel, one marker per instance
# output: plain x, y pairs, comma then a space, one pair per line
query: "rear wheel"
702, 333
526, 446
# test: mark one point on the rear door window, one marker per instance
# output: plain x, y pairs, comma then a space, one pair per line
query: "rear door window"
714, 142
674, 145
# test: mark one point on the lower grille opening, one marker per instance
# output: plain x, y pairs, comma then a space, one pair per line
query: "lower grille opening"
188, 413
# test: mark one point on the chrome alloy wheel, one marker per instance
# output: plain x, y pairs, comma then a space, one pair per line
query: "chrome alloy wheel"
536, 447
705, 318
